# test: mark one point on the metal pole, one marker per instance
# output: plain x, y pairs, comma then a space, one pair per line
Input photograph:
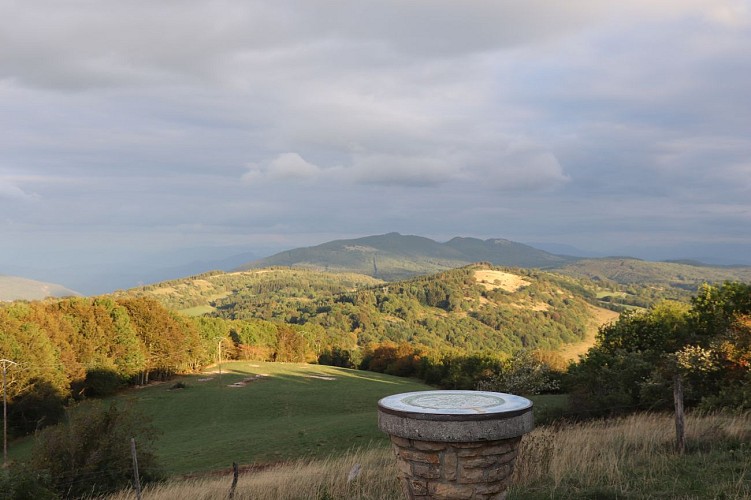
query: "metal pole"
6, 363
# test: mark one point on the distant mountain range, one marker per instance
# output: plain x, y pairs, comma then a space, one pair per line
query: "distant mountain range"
16, 288
388, 257
394, 256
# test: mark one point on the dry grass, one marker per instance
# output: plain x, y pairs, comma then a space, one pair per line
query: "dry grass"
333, 478
499, 279
631, 457
598, 317
634, 457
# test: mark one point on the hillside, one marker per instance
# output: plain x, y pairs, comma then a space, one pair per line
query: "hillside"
16, 288
630, 271
636, 282
391, 257
394, 256
474, 308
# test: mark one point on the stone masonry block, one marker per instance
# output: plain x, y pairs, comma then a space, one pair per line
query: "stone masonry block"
418, 487
404, 466
427, 471
451, 491
419, 456
449, 465
477, 444
402, 442
428, 445
468, 476
482, 461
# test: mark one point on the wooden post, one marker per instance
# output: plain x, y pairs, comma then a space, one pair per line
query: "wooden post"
136, 479
235, 473
680, 424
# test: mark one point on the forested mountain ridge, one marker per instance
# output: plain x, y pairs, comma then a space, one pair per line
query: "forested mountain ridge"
394, 256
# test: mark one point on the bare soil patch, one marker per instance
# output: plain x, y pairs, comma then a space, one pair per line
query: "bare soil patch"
493, 280
248, 380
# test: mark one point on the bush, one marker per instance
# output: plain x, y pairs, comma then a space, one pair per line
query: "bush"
90, 454
522, 374
41, 406
22, 484
101, 383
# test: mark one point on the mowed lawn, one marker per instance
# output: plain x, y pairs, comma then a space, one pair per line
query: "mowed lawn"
289, 411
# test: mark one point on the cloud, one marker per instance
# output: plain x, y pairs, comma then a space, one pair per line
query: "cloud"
11, 191
492, 118
402, 170
284, 167
518, 165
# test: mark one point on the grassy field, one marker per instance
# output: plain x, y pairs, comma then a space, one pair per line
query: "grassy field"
629, 458
255, 412
264, 412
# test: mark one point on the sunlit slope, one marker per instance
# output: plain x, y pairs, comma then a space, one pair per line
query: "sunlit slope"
470, 309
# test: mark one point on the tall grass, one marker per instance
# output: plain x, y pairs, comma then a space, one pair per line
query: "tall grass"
631, 457
365, 474
634, 457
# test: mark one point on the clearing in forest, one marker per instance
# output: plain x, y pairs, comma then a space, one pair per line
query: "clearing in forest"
492, 280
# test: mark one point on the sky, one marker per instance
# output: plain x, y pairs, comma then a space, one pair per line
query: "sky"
149, 133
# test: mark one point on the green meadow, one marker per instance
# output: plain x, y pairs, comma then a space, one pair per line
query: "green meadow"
258, 413
262, 413
255, 412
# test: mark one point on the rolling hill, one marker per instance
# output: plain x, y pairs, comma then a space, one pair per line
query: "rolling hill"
473, 308
16, 288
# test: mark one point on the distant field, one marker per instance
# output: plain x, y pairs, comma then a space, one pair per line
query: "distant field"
197, 310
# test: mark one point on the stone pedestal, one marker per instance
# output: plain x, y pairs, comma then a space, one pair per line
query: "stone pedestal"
455, 444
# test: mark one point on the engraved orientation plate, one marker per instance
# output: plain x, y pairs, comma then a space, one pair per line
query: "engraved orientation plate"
454, 402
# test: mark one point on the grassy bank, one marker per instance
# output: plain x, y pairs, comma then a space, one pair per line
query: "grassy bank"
630, 458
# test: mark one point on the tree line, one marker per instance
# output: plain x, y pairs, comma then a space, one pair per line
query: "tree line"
634, 364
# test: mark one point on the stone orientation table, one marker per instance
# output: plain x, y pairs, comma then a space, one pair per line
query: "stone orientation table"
455, 444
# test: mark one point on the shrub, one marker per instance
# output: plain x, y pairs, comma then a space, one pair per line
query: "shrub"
90, 454
101, 383
22, 484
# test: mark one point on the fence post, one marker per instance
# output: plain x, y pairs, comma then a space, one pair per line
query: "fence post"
680, 424
135, 468
235, 473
